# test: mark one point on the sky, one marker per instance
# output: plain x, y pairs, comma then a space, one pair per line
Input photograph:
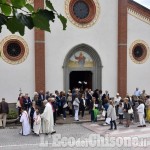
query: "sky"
145, 3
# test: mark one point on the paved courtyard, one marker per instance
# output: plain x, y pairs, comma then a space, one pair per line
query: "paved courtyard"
78, 136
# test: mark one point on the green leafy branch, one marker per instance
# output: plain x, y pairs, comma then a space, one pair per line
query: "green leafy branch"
18, 14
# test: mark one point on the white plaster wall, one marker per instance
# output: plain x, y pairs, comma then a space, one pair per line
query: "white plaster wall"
102, 37
138, 74
14, 77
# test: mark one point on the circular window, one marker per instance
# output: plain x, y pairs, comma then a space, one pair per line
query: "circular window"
81, 9
139, 51
14, 49
82, 13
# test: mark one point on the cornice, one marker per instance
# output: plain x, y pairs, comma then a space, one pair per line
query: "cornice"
138, 15
139, 11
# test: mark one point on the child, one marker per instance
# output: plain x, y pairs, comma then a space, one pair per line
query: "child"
120, 112
37, 122
25, 122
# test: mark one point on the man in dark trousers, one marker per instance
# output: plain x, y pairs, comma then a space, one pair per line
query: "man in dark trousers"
4, 110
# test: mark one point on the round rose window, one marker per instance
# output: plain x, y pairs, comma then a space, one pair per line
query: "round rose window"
14, 49
81, 9
82, 13
139, 51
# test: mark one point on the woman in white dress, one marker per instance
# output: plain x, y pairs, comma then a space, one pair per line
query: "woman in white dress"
25, 122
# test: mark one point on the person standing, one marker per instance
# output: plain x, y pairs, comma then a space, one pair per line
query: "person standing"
82, 105
64, 103
147, 103
47, 119
4, 110
117, 101
76, 103
127, 106
32, 114
27, 103
120, 113
25, 122
137, 92
41, 95
140, 109
37, 122
19, 103
69, 100
94, 110
135, 105
111, 113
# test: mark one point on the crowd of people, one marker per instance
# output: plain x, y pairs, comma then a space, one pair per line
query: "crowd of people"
39, 114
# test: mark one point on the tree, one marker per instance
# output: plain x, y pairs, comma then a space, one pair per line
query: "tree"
18, 14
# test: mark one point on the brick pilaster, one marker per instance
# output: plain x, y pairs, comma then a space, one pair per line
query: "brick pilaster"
39, 53
122, 47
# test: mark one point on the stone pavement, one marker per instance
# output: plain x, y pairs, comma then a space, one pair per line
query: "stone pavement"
10, 139
132, 132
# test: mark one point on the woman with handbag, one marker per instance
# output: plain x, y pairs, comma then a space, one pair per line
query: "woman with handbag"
111, 113
126, 108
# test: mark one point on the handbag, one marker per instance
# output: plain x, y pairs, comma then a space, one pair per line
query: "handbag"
103, 113
130, 111
75, 103
65, 105
108, 120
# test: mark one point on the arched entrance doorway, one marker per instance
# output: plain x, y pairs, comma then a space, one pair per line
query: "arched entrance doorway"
80, 79
82, 68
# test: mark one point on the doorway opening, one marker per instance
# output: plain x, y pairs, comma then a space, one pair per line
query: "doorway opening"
80, 79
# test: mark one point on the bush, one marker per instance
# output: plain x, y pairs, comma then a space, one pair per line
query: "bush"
12, 114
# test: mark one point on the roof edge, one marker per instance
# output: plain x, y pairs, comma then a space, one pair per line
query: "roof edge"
139, 8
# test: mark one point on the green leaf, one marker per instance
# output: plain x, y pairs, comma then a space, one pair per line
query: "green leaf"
18, 3
49, 5
6, 9
13, 25
3, 1
47, 14
25, 20
29, 7
63, 21
40, 21
3, 19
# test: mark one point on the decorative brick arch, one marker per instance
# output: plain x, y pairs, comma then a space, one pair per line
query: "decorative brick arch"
96, 69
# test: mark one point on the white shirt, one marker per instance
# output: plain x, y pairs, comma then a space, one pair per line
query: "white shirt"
117, 100
140, 109
137, 93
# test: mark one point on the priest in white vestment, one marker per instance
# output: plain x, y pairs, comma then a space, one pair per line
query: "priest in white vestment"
47, 119
25, 123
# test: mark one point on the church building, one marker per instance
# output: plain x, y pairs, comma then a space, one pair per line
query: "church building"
106, 46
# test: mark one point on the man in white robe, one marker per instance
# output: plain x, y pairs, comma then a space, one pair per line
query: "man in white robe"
25, 123
47, 119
